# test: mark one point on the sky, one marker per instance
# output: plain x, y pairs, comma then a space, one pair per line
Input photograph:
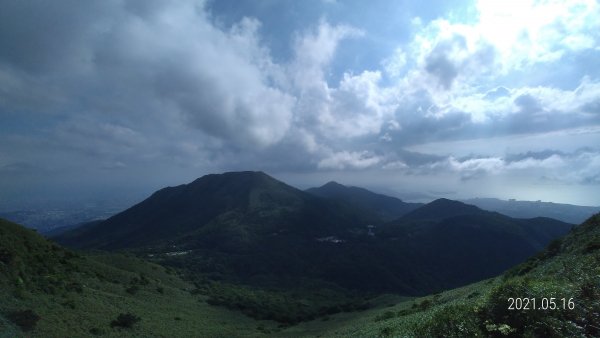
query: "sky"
114, 99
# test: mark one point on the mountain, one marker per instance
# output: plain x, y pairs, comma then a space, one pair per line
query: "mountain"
385, 207
55, 232
444, 234
440, 209
553, 294
232, 210
569, 213
247, 228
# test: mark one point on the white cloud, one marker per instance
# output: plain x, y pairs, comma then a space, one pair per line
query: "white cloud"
578, 167
528, 31
457, 60
356, 106
553, 162
394, 165
349, 160
395, 64
314, 50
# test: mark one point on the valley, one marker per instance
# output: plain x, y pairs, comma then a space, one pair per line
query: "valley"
267, 258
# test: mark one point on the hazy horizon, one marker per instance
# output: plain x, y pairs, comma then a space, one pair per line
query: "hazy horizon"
112, 100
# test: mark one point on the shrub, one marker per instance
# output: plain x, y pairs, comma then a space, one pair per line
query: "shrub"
386, 331
74, 287
133, 289
592, 246
25, 319
125, 320
425, 304
385, 316
96, 331
6, 256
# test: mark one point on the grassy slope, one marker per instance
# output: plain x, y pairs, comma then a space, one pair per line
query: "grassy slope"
36, 275
568, 268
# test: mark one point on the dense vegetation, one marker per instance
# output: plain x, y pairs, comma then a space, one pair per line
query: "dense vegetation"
48, 291
94, 298
256, 245
567, 269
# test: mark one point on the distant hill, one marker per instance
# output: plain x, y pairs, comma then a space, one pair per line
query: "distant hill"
55, 232
46, 220
528, 209
440, 209
248, 228
385, 207
232, 210
445, 234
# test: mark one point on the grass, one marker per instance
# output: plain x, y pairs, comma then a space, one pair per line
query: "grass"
80, 296
79, 314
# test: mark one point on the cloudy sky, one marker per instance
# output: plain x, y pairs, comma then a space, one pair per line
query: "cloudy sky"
420, 99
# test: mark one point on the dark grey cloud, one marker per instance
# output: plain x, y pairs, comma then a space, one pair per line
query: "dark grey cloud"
451, 59
528, 104
537, 155
40, 36
439, 64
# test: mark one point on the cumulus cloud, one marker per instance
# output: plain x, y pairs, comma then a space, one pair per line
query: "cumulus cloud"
395, 64
315, 49
119, 85
349, 160
219, 81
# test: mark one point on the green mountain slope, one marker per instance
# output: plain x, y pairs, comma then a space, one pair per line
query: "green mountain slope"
385, 207
49, 291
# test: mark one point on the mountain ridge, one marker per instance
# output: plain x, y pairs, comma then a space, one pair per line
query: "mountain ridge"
386, 207
258, 228
569, 213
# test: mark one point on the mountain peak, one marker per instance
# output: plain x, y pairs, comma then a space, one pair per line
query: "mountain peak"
446, 202
240, 178
386, 207
443, 208
235, 174
333, 184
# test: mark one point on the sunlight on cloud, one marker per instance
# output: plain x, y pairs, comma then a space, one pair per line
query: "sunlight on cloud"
531, 31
